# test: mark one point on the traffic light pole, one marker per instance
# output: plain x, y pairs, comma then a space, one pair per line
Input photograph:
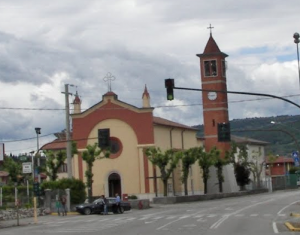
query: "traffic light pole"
240, 93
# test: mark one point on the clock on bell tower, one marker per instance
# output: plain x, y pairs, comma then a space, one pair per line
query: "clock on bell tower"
215, 104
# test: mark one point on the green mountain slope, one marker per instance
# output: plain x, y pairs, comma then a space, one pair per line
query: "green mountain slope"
283, 135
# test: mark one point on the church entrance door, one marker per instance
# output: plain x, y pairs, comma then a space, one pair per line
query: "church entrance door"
114, 182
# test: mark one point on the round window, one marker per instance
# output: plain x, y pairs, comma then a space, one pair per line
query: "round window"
115, 147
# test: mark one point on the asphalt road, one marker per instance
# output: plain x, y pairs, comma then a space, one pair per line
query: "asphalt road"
257, 214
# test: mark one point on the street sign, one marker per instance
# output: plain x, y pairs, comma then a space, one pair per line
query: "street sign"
23, 158
295, 156
26, 166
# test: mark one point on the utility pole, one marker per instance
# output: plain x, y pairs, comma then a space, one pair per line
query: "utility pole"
69, 144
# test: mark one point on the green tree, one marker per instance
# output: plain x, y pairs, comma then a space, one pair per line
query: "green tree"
256, 165
188, 158
14, 169
219, 164
165, 161
238, 156
205, 161
90, 156
54, 161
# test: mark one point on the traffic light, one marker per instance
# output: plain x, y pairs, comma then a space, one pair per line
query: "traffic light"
223, 132
103, 138
36, 189
169, 84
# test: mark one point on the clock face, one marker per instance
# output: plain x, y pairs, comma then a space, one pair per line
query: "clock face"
212, 95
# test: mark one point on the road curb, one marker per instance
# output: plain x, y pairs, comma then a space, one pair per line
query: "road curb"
291, 227
68, 213
295, 215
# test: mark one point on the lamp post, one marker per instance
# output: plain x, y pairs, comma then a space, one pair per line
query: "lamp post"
38, 132
296, 40
32, 164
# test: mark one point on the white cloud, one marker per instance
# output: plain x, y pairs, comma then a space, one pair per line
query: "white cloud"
44, 45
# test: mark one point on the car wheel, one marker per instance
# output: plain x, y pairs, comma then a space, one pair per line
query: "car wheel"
87, 211
121, 209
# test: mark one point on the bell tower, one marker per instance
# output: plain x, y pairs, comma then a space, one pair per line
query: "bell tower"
215, 104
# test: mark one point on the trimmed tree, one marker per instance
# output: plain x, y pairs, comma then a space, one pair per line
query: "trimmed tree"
205, 161
188, 158
219, 164
54, 161
165, 161
239, 159
90, 156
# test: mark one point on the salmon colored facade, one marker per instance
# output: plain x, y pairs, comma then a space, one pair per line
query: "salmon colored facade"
132, 129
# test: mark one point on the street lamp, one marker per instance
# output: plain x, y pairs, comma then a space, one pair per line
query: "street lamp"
288, 133
296, 40
38, 132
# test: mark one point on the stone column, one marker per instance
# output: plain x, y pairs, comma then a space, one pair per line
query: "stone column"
47, 202
68, 199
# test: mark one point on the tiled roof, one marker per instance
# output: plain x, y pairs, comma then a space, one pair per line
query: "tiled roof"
3, 173
239, 139
55, 145
211, 46
165, 122
281, 159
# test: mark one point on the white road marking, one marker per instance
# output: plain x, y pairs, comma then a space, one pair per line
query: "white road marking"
267, 214
225, 217
275, 227
252, 215
171, 217
279, 212
149, 222
211, 216
180, 218
239, 215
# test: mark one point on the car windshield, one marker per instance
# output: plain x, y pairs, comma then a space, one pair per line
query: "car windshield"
99, 200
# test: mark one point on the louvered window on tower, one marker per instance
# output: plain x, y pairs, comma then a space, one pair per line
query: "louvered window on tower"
223, 132
104, 138
210, 68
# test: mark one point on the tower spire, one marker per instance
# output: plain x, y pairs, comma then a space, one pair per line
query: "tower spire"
146, 98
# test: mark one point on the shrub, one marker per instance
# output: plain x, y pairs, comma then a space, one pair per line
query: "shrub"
76, 186
132, 197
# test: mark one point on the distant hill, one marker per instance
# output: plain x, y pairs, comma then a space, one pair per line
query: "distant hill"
283, 135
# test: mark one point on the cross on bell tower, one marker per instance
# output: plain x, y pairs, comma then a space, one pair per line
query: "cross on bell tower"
210, 29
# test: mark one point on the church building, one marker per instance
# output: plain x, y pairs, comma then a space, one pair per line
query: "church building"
132, 129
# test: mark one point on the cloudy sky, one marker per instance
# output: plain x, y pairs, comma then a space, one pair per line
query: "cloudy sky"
47, 44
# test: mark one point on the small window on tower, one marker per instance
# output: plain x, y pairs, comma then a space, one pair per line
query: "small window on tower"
224, 67
210, 68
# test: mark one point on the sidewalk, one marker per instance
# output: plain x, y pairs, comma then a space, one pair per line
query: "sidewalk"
12, 223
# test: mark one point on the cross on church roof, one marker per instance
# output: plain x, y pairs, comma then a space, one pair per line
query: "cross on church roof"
108, 78
210, 28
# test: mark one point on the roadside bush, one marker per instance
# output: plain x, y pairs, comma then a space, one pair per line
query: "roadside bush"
76, 186
293, 169
132, 197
